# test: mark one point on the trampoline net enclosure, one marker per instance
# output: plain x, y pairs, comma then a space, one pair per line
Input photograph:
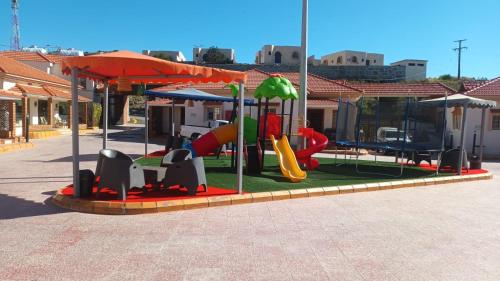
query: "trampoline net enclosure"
390, 124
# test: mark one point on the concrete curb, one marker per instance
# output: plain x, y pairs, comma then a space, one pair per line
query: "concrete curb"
132, 208
15, 146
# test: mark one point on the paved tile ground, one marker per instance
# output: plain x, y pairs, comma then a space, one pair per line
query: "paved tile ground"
449, 232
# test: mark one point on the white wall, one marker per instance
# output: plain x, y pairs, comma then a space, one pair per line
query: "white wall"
6, 85
331, 59
415, 70
33, 110
267, 54
491, 137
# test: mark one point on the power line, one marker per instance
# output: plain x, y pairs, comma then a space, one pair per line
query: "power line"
459, 49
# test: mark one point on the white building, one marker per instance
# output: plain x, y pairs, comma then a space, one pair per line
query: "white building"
354, 58
415, 70
199, 54
176, 56
51, 64
272, 54
490, 91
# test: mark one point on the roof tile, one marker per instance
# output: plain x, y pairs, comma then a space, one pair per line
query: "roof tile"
490, 88
14, 67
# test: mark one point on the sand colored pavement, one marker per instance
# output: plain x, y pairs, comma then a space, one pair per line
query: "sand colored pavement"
446, 232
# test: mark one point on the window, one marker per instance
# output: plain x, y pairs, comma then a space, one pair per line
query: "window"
339, 60
374, 61
269, 53
295, 55
277, 57
213, 113
495, 122
354, 59
19, 113
326, 62
420, 64
411, 64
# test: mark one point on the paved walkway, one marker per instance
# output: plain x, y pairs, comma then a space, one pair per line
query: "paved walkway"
449, 232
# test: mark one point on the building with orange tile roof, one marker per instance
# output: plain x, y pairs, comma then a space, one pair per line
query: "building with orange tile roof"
490, 90
28, 91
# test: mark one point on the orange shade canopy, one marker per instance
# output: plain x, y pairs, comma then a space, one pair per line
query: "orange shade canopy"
140, 68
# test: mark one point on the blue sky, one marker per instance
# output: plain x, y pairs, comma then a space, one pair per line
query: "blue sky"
423, 29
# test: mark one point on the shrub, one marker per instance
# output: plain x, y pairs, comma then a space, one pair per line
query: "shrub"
96, 114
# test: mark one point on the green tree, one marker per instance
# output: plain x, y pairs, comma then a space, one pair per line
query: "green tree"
163, 57
214, 55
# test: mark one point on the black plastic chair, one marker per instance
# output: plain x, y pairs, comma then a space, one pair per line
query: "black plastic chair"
188, 173
451, 157
176, 155
118, 171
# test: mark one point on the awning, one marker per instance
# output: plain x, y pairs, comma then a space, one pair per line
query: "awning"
191, 94
459, 100
9, 95
138, 68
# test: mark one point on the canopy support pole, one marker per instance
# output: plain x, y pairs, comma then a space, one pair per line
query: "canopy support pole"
146, 126
462, 141
74, 132
172, 117
105, 116
241, 112
481, 137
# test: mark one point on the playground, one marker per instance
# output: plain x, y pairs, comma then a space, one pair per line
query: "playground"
231, 159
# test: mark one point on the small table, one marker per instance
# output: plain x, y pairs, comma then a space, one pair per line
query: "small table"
154, 175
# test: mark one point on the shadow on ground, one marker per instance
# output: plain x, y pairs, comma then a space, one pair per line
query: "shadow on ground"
12, 207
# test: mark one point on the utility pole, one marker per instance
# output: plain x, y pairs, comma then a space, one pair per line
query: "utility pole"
459, 49
303, 73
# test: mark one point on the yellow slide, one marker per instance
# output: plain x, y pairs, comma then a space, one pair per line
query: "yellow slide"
288, 163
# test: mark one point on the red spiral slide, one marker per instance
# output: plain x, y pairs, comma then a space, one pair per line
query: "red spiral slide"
316, 142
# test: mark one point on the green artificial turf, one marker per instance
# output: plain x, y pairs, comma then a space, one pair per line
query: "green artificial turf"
329, 173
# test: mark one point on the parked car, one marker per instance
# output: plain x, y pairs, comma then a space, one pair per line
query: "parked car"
391, 134
192, 131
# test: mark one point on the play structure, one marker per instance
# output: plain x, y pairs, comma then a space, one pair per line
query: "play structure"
268, 126
272, 127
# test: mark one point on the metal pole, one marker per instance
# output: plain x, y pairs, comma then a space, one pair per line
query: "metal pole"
105, 116
172, 117
241, 113
462, 141
259, 106
263, 140
481, 135
303, 73
282, 116
146, 126
290, 120
74, 132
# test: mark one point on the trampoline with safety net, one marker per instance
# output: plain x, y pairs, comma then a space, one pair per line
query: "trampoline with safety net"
403, 126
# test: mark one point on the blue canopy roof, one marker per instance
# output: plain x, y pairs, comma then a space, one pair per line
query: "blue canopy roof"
191, 94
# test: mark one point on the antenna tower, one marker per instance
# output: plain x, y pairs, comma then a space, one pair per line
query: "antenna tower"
14, 43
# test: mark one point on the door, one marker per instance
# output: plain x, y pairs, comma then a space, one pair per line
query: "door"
316, 118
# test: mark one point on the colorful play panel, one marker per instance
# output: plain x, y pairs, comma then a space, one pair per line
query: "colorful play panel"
333, 176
